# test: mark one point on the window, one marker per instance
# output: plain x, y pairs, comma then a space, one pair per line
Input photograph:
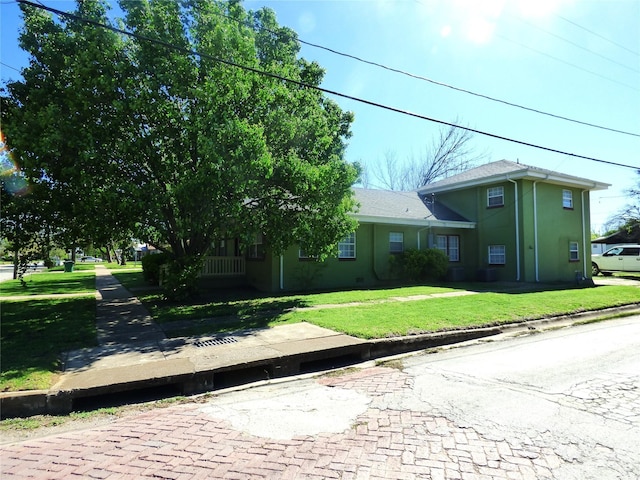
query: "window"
347, 246
495, 197
497, 255
303, 255
567, 199
256, 249
450, 246
574, 252
396, 242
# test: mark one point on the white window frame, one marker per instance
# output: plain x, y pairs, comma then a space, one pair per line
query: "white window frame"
255, 249
396, 242
567, 199
497, 255
450, 246
574, 252
347, 246
302, 255
494, 193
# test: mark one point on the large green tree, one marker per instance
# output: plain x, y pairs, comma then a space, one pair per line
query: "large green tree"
65, 118
177, 132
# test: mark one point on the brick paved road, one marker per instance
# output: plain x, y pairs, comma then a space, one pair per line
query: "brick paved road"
425, 421
184, 442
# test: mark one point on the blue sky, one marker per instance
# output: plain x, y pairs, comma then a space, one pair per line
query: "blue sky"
575, 58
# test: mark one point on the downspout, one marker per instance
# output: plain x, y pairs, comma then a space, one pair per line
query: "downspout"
584, 237
535, 229
421, 230
373, 253
281, 272
515, 184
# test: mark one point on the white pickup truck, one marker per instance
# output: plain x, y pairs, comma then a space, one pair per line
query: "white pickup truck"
624, 258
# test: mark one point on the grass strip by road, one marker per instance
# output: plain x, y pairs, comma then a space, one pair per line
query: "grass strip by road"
35, 332
51, 283
407, 318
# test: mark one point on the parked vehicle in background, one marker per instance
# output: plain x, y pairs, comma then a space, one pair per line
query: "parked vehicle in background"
624, 258
90, 259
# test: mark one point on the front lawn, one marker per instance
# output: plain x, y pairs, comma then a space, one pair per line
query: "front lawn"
35, 332
50, 283
245, 304
405, 318
380, 313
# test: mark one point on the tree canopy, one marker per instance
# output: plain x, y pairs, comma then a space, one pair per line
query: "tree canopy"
173, 134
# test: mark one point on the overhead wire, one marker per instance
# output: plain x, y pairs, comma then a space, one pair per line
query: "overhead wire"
189, 51
577, 45
446, 85
548, 55
634, 52
9, 66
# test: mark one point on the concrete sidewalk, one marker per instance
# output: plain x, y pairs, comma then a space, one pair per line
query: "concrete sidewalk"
133, 353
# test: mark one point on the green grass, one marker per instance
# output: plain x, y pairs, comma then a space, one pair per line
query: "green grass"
247, 304
47, 283
35, 332
78, 267
377, 314
405, 318
129, 266
132, 280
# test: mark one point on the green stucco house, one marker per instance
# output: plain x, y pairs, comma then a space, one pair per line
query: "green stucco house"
500, 221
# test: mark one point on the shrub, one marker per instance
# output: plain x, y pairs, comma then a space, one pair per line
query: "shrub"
151, 266
429, 264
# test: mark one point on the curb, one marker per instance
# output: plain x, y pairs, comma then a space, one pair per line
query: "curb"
55, 401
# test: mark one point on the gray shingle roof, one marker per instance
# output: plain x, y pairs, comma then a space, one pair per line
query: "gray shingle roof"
409, 206
502, 169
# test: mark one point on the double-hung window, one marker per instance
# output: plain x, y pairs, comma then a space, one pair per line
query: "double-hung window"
495, 197
347, 246
396, 242
567, 199
497, 255
256, 248
303, 255
450, 246
574, 252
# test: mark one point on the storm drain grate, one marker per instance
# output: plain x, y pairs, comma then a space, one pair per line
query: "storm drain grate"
215, 342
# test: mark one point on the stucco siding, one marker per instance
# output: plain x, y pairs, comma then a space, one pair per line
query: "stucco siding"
557, 228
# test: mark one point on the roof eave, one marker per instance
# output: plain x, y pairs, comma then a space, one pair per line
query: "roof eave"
520, 175
415, 222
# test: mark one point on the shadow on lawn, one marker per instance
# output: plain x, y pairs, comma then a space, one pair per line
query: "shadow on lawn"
35, 332
219, 311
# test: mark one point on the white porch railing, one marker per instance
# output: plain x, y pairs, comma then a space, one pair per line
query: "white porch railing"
223, 267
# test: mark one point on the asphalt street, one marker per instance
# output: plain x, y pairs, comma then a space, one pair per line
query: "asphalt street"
562, 404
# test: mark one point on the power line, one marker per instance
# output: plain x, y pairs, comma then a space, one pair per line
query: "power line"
452, 87
9, 66
442, 84
577, 45
599, 36
189, 51
540, 52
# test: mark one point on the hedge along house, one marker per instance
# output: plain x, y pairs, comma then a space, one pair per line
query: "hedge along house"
532, 224
500, 221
